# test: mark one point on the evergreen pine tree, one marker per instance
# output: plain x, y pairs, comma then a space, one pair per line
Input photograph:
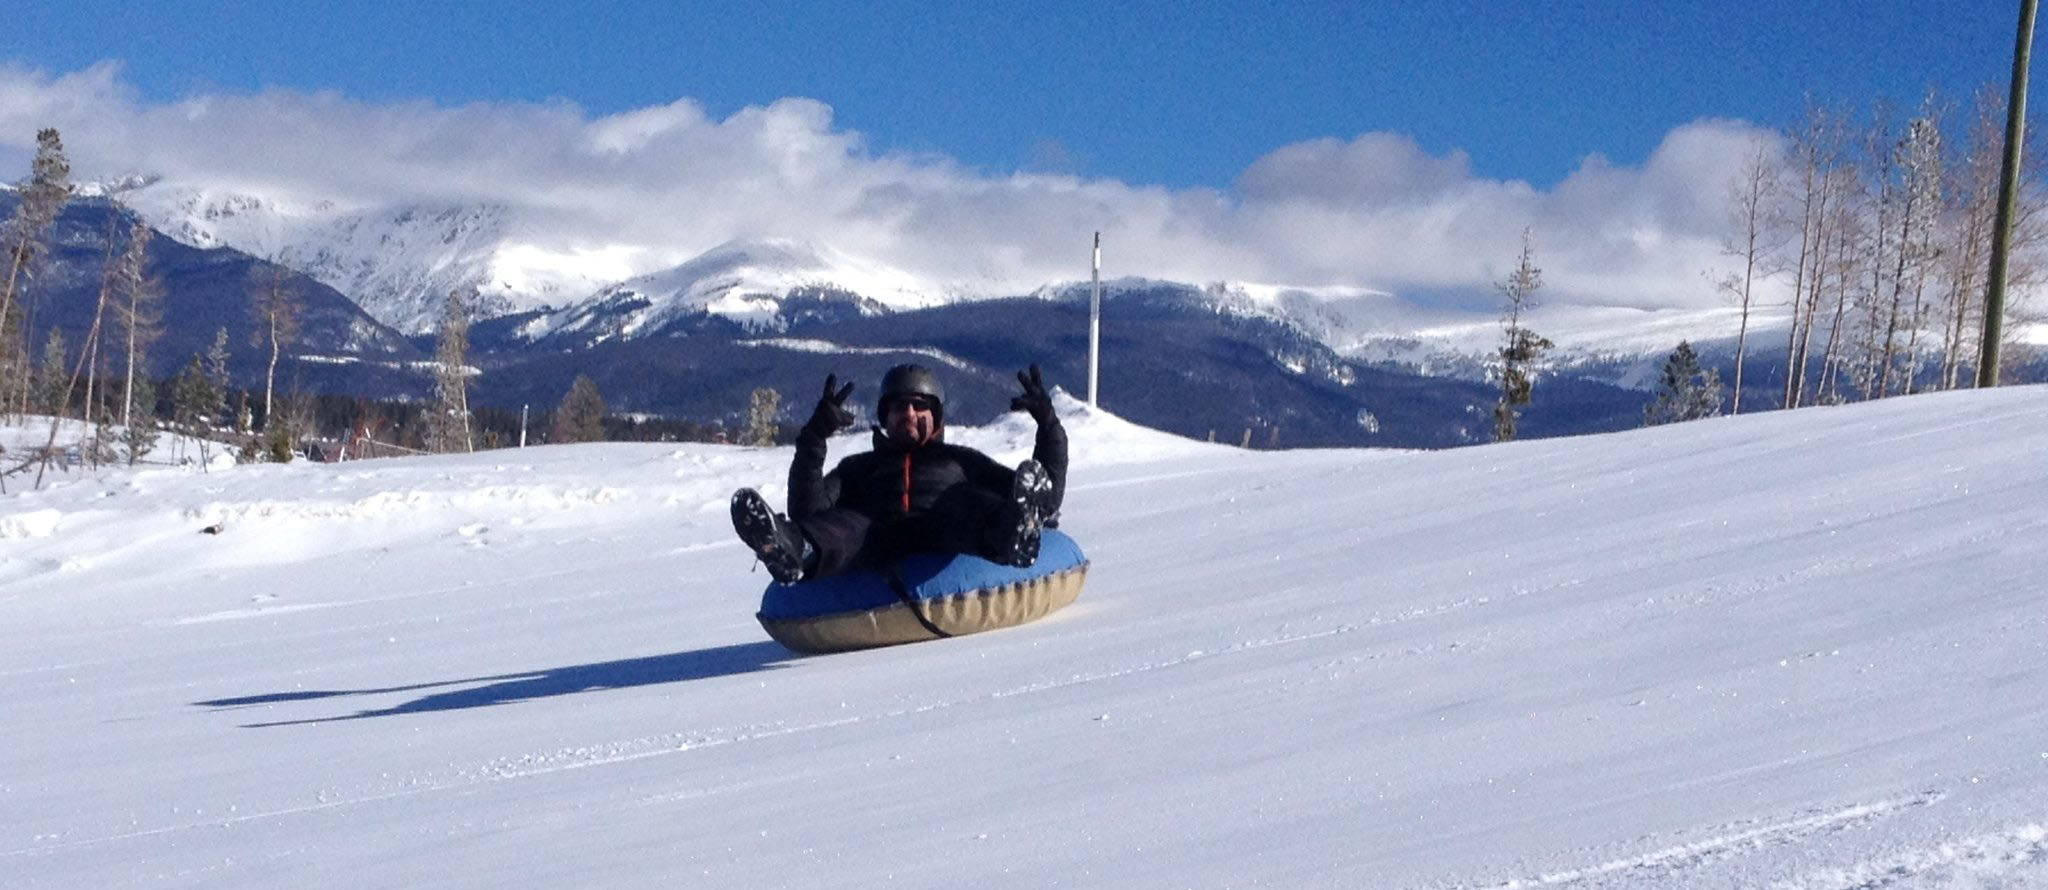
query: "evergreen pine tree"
48, 187
277, 440
138, 436
51, 381
1518, 356
192, 397
580, 417
100, 449
217, 374
1684, 390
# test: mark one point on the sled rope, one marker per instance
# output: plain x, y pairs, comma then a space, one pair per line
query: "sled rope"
903, 593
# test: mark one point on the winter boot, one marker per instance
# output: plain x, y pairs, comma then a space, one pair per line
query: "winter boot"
774, 539
1030, 495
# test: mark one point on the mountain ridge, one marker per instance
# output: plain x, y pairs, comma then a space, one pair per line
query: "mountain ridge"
399, 260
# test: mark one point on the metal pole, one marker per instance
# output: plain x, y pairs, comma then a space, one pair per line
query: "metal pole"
1095, 324
2008, 196
522, 425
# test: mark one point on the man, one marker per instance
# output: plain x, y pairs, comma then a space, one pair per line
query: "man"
912, 493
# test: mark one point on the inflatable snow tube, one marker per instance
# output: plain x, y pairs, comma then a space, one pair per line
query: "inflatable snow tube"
931, 595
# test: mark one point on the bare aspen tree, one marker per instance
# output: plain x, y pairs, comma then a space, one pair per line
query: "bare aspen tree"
1837, 276
1816, 153
96, 448
2028, 241
448, 423
1917, 166
92, 420
1972, 203
139, 310
92, 414
217, 383
1752, 196
274, 306
1897, 252
1876, 209
48, 187
90, 359
1927, 247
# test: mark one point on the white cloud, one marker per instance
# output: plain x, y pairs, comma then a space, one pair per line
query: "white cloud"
1376, 168
670, 181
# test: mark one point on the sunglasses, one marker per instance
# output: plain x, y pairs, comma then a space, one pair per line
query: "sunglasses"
922, 402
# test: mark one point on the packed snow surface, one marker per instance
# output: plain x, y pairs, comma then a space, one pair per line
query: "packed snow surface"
1800, 650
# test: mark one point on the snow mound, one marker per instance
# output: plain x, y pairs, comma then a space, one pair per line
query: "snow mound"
1101, 436
31, 524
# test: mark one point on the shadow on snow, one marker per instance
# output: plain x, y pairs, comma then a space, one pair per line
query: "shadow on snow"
698, 664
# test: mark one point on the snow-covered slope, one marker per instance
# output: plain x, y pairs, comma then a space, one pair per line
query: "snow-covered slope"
1801, 650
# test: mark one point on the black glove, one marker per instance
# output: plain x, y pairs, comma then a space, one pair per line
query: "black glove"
1034, 401
832, 414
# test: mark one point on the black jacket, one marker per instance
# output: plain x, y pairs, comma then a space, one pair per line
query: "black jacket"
892, 482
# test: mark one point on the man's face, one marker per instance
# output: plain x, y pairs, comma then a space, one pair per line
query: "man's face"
909, 420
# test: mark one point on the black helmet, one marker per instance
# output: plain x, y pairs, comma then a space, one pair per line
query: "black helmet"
912, 380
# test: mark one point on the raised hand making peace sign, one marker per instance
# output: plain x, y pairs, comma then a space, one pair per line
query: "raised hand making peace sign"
832, 415
1034, 401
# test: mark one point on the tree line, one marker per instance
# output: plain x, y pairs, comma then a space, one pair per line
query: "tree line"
103, 381
1871, 231
1879, 225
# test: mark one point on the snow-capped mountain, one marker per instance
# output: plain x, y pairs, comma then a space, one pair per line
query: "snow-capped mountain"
397, 262
1617, 345
204, 292
759, 285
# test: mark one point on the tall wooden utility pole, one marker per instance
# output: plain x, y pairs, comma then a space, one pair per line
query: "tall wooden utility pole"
1095, 324
2008, 196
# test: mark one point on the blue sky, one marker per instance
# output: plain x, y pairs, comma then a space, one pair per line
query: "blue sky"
976, 147
1167, 94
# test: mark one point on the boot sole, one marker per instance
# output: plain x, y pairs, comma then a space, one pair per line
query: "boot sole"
754, 520
1029, 493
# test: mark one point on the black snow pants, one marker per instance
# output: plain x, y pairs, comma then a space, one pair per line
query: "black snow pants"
965, 519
